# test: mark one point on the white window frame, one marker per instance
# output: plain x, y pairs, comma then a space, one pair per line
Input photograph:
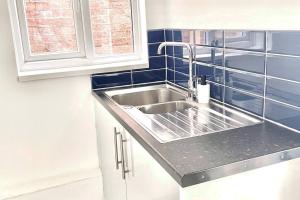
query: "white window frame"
85, 61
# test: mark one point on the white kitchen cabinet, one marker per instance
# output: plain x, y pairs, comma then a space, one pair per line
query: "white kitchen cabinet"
140, 176
147, 180
114, 187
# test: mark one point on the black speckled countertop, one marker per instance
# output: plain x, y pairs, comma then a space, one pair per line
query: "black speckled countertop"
200, 159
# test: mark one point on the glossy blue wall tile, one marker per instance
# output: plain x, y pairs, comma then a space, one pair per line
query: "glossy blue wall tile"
244, 101
180, 52
181, 79
186, 36
213, 73
171, 63
156, 36
283, 91
157, 62
248, 82
217, 91
181, 65
111, 80
212, 38
283, 114
169, 51
171, 76
169, 35
149, 76
246, 40
152, 48
284, 42
209, 55
284, 67
242, 60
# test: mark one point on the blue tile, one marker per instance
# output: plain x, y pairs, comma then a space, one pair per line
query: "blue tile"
181, 65
111, 80
284, 67
246, 40
283, 114
169, 35
248, 82
212, 38
209, 55
251, 62
170, 51
284, 42
152, 49
181, 79
284, 91
171, 76
149, 76
183, 36
244, 101
213, 73
180, 52
217, 91
170, 63
155, 36
157, 62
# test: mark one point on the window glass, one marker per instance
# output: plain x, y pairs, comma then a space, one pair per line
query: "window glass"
111, 22
51, 26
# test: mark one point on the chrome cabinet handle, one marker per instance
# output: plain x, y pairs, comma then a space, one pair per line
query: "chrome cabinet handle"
116, 148
124, 171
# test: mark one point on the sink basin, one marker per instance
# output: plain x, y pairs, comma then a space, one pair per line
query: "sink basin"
148, 97
165, 107
164, 112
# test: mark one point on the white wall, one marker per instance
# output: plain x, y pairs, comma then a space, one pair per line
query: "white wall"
156, 14
46, 127
233, 14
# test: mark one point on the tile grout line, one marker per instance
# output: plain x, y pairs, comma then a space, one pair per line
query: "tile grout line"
284, 104
224, 70
166, 67
265, 75
173, 54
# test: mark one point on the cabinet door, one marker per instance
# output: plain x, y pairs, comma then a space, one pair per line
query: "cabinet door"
108, 136
147, 180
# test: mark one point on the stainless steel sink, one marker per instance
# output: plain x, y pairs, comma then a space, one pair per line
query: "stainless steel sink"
165, 107
163, 111
153, 96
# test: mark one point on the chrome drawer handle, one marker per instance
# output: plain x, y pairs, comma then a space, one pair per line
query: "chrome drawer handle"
116, 148
124, 171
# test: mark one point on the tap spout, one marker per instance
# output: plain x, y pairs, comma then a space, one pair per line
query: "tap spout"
191, 89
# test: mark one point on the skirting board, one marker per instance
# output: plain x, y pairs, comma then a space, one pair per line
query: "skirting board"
47, 183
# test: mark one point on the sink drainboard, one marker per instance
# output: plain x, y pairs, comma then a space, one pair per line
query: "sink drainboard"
190, 122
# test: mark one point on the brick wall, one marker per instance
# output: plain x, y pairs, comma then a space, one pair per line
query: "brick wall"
51, 26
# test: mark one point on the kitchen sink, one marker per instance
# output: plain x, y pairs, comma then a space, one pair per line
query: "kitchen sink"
166, 114
154, 96
165, 107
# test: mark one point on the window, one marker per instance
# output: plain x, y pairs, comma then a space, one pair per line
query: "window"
62, 37
115, 36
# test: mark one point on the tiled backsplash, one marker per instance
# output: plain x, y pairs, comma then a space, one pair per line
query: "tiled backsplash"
257, 71
156, 73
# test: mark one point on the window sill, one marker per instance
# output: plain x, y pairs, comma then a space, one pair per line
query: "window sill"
80, 70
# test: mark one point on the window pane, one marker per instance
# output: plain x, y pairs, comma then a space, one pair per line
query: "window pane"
111, 26
51, 26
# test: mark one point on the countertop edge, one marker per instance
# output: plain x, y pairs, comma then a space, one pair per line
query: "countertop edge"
239, 167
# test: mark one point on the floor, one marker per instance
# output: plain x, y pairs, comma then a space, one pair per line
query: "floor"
89, 189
